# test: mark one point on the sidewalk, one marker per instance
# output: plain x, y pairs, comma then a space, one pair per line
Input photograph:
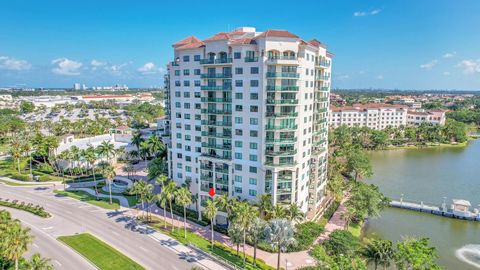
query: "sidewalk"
335, 223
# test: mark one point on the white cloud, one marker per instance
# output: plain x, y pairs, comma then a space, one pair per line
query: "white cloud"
342, 77
97, 64
449, 54
64, 66
366, 13
379, 77
429, 65
116, 70
149, 68
446, 73
10, 63
470, 66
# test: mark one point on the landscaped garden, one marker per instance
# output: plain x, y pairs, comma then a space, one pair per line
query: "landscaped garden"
29, 207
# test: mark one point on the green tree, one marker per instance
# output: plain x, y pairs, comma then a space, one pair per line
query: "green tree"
358, 164
243, 218
106, 150
36, 262
294, 213
109, 173
378, 252
15, 242
265, 205
183, 197
416, 254
366, 200
91, 158
256, 232
235, 233
169, 191
210, 211
280, 235
341, 242
27, 106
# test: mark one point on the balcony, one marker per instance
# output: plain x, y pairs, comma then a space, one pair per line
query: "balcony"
281, 153
206, 167
217, 135
323, 89
282, 60
211, 155
280, 164
251, 59
322, 77
282, 101
217, 146
281, 114
291, 127
323, 64
283, 75
321, 99
221, 170
175, 64
216, 75
281, 140
216, 123
211, 111
282, 88
216, 61
209, 99
216, 87
323, 110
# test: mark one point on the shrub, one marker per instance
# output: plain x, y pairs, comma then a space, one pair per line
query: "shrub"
305, 235
20, 177
341, 242
36, 210
331, 210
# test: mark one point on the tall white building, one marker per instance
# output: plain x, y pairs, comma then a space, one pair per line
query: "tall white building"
248, 114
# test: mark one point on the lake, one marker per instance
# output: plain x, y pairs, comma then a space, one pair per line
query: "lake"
429, 175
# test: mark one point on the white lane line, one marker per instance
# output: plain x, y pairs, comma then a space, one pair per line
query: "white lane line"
57, 262
48, 228
142, 248
35, 245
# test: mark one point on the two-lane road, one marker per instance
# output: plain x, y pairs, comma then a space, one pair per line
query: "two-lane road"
71, 216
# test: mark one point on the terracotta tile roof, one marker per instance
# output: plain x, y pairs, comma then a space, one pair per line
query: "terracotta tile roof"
330, 54
193, 45
187, 40
317, 44
277, 33
242, 41
417, 113
219, 36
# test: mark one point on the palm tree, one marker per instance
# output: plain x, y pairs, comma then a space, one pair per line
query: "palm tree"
36, 262
294, 213
155, 144
265, 205
280, 234
243, 218
162, 201
91, 158
109, 174
210, 212
142, 189
378, 252
144, 150
256, 231
235, 234
18, 240
137, 139
226, 204
107, 150
75, 152
183, 197
162, 180
149, 198
170, 194
279, 211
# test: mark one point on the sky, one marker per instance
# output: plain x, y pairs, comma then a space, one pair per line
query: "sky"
401, 44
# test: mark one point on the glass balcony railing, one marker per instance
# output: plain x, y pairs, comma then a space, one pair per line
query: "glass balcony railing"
290, 127
283, 75
280, 164
175, 64
282, 57
251, 59
322, 99
208, 99
212, 155
323, 89
216, 135
278, 153
323, 110
216, 61
281, 114
211, 111
324, 64
216, 87
322, 77
281, 140
282, 101
282, 88
216, 75
217, 146
216, 123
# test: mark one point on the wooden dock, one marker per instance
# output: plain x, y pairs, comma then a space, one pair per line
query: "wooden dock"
425, 208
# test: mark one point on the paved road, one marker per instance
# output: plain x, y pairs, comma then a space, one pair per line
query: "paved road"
71, 216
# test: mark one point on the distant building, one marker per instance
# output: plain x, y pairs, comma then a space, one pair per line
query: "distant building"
436, 117
374, 116
77, 86
410, 102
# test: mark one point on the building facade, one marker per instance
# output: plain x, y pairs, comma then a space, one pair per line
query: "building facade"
435, 117
248, 115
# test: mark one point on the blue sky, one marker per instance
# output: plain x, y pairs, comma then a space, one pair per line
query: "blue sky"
403, 44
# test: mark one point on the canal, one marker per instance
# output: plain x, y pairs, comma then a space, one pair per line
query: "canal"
429, 175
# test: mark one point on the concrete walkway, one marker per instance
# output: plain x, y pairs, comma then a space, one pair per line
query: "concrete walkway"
121, 199
335, 223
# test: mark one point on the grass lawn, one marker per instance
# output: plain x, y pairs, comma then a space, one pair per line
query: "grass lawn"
86, 197
219, 250
18, 185
132, 200
355, 229
99, 253
8, 169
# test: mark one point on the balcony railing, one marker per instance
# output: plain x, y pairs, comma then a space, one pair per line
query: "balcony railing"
322, 99
216, 87
282, 101
210, 155
282, 88
322, 77
216, 135
207, 99
211, 111
283, 75
282, 57
175, 64
216, 75
281, 153
217, 146
280, 164
324, 64
281, 140
291, 127
216, 61
251, 59
280, 115
216, 123
323, 110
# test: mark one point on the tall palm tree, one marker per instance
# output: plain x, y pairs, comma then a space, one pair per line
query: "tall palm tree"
244, 216
378, 252
227, 204
170, 194
137, 139
162, 180
91, 158
36, 262
144, 150
149, 198
264, 205
280, 234
106, 149
142, 189
109, 174
183, 197
256, 232
294, 213
211, 211
279, 211
235, 234
155, 144
18, 240
162, 201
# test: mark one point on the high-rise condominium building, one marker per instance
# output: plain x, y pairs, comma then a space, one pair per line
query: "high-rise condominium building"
248, 115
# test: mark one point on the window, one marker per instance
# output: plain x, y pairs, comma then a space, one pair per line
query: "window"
238, 155
186, 105
253, 145
254, 96
253, 83
254, 121
238, 167
252, 192
186, 58
238, 83
238, 120
186, 94
238, 143
196, 57
186, 83
238, 70
238, 179
238, 108
252, 181
238, 95
188, 168
197, 83
177, 83
196, 71
187, 116
186, 72
237, 55
178, 94
252, 169
252, 157
177, 72
178, 105
254, 70
179, 165
238, 132
197, 94
238, 190
253, 133
253, 108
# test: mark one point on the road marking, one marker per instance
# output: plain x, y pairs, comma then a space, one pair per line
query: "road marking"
35, 245
57, 262
48, 228
142, 248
